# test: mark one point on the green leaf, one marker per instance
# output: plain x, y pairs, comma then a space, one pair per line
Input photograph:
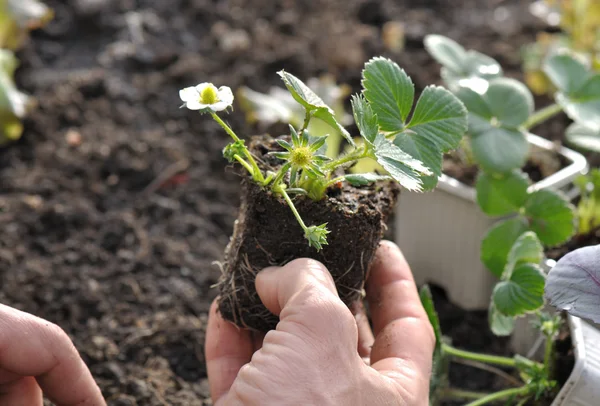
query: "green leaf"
523, 293
419, 148
500, 150
446, 51
499, 195
585, 136
439, 118
390, 91
459, 65
313, 103
567, 73
438, 124
498, 142
500, 324
364, 179
579, 87
438, 121
401, 166
428, 305
551, 216
498, 242
583, 106
365, 118
510, 101
527, 249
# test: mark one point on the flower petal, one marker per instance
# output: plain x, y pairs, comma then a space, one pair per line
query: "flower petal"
225, 95
196, 105
189, 93
200, 88
219, 106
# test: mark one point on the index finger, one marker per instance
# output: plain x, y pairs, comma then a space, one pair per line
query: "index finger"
30, 346
401, 327
227, 349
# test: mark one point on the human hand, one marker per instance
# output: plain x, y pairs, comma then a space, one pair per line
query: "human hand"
320, 354
37, 356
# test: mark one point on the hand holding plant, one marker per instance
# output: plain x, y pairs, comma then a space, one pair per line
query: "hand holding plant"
293, 183
320, 343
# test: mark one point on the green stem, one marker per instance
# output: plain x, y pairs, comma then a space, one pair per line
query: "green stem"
542, 115
307, 118
279, 177
452, 393
294, 177
548, 352
291, 204
244, 164
227, 129
256, 173
352, 156
524, 390
489, 359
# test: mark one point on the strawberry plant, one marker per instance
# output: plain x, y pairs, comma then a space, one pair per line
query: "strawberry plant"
298, 201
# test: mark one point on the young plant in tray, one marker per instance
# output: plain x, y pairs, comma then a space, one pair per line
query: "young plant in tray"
500, 114
578, 22
297, 202
535, 382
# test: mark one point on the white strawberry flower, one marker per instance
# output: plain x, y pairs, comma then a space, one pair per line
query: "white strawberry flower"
206, 97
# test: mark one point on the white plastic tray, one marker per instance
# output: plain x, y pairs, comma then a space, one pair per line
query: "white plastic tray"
440, 232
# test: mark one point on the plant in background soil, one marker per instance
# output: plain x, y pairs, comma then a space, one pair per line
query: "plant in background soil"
501, 111
588, 207
578, 22
13, 103
536, 381
298, 202
17, 18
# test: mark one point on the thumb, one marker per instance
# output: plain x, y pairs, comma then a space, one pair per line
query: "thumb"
304, 296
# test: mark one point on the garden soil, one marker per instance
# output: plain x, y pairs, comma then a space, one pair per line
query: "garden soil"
115, 203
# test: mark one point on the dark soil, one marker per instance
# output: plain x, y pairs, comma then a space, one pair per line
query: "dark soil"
579, 241
355, 217
540, 165
115, 203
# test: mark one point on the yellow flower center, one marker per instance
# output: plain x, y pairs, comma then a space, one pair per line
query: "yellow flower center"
301, 157
209, 95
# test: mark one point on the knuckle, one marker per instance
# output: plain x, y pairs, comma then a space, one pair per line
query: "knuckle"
57, 339
308, 265
331, 310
